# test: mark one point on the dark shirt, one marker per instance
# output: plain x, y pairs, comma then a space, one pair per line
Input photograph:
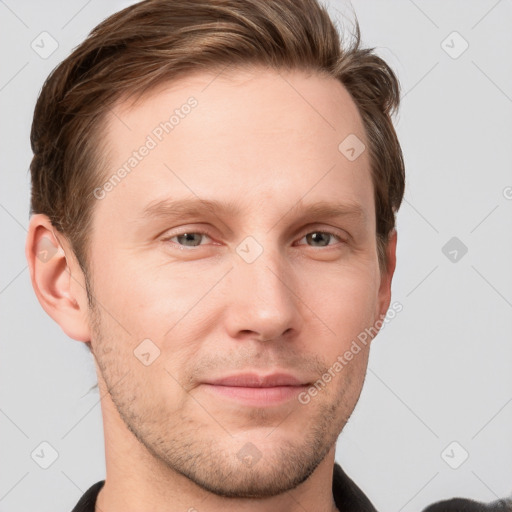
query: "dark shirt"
347, 496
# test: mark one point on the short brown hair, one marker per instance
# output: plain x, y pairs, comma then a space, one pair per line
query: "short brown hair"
155, 41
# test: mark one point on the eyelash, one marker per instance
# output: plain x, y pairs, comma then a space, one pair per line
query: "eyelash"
206, 233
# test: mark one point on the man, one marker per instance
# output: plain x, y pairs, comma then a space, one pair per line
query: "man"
214, 188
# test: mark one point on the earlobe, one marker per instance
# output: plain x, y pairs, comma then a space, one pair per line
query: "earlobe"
56, 277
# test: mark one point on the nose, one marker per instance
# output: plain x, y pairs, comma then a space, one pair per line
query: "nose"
262, 301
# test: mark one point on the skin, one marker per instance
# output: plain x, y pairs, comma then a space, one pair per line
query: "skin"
264, 140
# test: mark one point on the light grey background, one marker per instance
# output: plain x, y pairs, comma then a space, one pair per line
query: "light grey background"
439, 372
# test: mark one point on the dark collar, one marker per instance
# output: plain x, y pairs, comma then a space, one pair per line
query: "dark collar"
88, 500
347, 494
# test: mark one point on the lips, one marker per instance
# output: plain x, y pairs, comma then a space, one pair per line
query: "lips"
253, 380
255, 390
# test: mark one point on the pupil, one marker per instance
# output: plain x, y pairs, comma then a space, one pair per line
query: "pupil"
314, 237
189, 237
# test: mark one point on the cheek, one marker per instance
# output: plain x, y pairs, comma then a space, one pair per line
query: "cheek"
147, 300
345, 300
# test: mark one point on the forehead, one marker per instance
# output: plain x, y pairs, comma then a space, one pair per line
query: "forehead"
250, 135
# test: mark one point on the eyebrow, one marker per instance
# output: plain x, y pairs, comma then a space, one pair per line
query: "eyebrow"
184, 207
169, 208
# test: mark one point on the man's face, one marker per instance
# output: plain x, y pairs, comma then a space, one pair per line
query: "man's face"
273, 288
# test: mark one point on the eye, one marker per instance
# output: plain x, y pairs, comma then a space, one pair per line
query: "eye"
188, 239
321, 237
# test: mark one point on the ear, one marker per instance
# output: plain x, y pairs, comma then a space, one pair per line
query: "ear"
57, 278
387, 276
